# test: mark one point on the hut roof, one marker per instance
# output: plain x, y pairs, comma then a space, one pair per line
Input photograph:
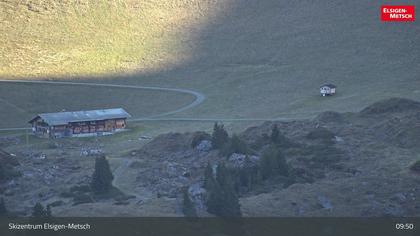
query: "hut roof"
328, 85
62, 118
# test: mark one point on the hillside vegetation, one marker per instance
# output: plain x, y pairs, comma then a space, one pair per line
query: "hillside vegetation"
91, 37
251, 59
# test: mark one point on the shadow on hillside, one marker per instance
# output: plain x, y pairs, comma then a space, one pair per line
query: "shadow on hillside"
256, 50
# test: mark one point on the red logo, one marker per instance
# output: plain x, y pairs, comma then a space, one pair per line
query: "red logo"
397, 13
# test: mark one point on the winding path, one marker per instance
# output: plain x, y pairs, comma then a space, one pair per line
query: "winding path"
199, 98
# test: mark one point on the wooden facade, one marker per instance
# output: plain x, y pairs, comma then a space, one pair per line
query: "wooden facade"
327, 89
79, 124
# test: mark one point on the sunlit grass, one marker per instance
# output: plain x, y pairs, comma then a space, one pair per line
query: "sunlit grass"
92, 37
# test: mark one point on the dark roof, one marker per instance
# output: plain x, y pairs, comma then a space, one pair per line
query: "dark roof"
62, 118
328, 85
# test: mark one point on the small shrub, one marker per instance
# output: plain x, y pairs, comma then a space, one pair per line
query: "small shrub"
236, 145
324, 154
321, 134
198, 137
260, 142
81, 198
39, 211
415, 166
8, 172
66, 194
81, 188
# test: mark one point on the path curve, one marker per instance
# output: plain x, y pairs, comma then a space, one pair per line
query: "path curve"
199, 97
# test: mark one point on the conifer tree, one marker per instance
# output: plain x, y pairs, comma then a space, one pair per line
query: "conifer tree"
219, 137
2, 175
248, 174
267, 164
38, 210
102, 176
231, 206
3, 209
275, 134
208, 177
222, 197
282, 166
236, 145
188, 207
48, 212
222, 174
215, 199
273, 163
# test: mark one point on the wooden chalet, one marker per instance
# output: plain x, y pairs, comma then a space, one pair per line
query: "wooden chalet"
79, 123
327, 89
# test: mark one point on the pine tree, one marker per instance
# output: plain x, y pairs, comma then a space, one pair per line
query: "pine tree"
231, 206
222, 174
188, 207
268, 163
102, 176
273, 163
236, 145
248, 174
3, 209
282, 166
48, 212
219, 137
222, 197
215, 199
275, 134
208, 177
39, 211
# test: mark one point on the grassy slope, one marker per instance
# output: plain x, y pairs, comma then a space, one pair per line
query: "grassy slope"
92, 37
267, 59
256, 59
33, 99
251, 58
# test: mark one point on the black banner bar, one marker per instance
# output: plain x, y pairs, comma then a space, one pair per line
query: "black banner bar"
211, 226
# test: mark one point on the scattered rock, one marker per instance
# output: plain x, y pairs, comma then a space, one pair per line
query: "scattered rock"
338, 139
204, 146
170, 169
198, 196
240, 160
393, 211
324, 202
399, 197
145, 137
91, 152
